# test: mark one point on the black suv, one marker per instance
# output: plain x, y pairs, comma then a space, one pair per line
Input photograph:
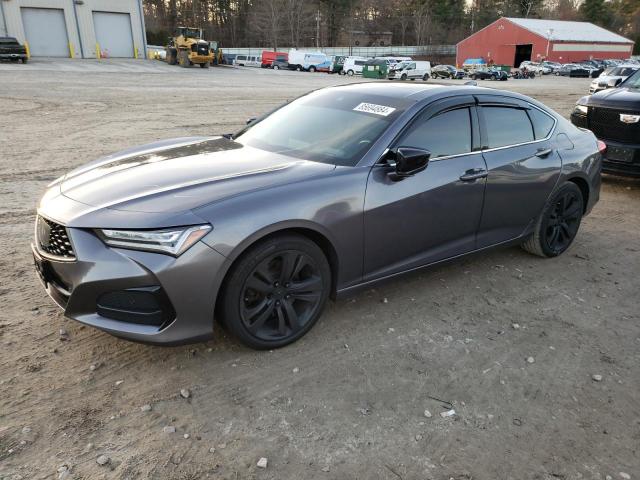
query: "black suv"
10, 49
280, 63
488, 74
613, 115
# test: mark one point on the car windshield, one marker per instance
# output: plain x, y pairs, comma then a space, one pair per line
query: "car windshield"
633, 81
333, 126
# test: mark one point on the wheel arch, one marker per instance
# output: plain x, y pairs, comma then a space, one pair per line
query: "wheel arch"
583, 185
311, 231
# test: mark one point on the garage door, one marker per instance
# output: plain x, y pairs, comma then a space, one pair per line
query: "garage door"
46, 31
113, 33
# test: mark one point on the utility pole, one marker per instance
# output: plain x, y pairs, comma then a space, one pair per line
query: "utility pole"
318, 30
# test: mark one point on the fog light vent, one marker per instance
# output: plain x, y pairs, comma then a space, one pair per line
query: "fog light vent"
145, 306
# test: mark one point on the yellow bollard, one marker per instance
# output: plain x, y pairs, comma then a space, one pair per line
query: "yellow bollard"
72, 54
26, 46
98, 51
135, 52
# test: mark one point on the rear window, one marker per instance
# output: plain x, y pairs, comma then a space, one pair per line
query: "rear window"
542, 123
507, 126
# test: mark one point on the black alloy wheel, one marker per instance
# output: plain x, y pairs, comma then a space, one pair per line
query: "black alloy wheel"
277, 292
563, 221
559, 222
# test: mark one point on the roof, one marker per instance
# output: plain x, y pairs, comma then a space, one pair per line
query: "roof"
565, 31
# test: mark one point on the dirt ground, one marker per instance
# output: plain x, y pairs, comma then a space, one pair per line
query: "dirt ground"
348, 401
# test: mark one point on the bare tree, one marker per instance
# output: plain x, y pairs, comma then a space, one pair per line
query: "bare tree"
422, 21
268, 20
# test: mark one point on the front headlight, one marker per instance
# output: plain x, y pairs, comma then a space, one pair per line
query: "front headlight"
173, 241
581, 109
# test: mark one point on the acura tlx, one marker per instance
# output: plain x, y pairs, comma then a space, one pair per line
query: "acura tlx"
341, 188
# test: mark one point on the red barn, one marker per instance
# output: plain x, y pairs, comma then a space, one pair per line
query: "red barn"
509, 41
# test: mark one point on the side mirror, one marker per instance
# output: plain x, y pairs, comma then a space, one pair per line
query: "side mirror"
613, 82
409, 161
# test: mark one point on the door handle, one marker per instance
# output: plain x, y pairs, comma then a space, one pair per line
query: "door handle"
471, 175
543, 152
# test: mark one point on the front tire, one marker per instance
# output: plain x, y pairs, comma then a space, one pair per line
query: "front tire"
312, 69
276, 291
276, 67
350, 73
558, 223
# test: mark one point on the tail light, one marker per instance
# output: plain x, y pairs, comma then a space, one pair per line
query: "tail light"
602, 147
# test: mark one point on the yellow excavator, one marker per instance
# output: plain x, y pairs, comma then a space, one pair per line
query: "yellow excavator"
187, 48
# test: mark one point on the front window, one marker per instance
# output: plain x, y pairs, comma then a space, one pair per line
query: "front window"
336, 127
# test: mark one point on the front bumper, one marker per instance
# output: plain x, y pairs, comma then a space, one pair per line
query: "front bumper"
196, 58
185, 288
620, 158
12, 56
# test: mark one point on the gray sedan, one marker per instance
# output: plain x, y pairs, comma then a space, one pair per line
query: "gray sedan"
341, 188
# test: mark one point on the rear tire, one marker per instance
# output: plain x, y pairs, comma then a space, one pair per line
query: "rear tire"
425, 77
204, 65
312, 69
276, 67
350, 73
276, 291
558, 223
403, 77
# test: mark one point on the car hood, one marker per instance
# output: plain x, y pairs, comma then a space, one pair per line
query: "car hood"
606, 78
182, 174
620, 97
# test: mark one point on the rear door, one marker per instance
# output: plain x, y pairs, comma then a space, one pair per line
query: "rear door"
435, 213
523, 166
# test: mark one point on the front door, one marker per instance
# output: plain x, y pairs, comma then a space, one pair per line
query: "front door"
434, 214
523, 166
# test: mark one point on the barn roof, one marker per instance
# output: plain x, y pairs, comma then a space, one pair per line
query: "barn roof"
565, 31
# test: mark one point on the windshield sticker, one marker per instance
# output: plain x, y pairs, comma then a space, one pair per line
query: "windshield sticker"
375, 109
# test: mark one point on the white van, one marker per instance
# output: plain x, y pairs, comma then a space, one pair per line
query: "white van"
411, 70
248, 60
308, 60
353, 65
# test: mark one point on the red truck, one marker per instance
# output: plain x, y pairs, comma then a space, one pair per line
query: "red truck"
268, 57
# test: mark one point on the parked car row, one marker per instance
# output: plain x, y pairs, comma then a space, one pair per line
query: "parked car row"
613, 76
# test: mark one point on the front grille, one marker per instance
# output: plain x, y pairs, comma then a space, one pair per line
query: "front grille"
606, 125
203, 49
52, 238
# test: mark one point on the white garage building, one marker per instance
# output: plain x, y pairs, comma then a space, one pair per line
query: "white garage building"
76, 28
